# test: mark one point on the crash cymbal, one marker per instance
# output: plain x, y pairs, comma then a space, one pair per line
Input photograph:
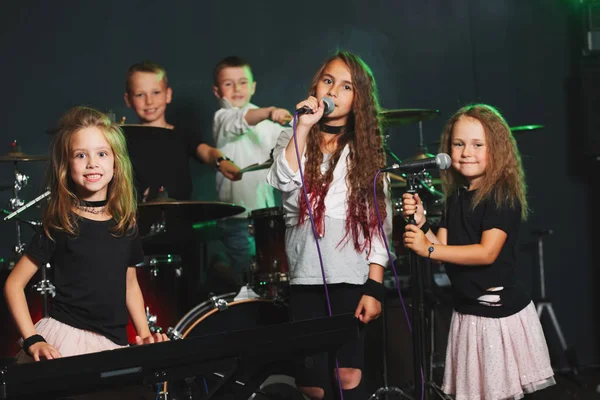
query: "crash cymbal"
18, 157
526, 128
257, 167
406, 116
420, 156
520, 128
192, 210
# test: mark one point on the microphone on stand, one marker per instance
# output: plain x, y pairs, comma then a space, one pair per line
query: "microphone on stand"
328, 103
441, 161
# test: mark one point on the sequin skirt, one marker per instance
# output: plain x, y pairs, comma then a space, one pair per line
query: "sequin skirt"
496, 358
69, 341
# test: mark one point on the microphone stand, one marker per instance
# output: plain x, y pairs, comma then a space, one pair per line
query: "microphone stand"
421, 368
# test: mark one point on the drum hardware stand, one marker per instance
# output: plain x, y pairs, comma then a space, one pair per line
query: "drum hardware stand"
44, 287
421, 368
545, 304
21, 180
158, 227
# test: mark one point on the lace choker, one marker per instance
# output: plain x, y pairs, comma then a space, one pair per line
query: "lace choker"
100, 203
92, 207
331, 129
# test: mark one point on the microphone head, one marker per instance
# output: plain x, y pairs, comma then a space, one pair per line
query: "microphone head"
329, 105
443, 161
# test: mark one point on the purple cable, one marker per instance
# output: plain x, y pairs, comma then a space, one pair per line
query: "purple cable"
387, 247
316, 236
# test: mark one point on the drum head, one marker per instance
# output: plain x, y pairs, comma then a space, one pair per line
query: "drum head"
224, 314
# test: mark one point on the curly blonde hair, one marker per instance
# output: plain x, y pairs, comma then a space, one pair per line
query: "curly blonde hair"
122, 205
504, 176
366, 156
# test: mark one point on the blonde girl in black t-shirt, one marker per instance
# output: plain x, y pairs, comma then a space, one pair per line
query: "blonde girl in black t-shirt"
89, 235
496, 346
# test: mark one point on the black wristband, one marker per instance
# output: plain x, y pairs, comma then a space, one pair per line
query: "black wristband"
426, 227
30, 341
374, 289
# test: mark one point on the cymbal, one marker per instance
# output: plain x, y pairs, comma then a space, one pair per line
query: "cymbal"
257, 167
18, 156
406, 116
144, 129
193, 210
526, 128
136, 127
420, 156
520, 128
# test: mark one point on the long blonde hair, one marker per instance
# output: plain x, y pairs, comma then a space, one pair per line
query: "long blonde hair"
366, 156
121, 205
504, 176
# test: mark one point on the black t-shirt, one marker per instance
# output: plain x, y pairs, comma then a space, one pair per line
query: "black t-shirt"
160, 157
90, 276
465, 226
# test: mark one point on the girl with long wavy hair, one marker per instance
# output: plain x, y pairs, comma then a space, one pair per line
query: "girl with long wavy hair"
90, 237
496, 346
342, 152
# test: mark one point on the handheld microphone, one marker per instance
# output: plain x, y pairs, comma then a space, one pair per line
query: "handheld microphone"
329, 106
441, 161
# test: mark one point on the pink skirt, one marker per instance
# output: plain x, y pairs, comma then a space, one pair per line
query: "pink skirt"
68, 341
496, 358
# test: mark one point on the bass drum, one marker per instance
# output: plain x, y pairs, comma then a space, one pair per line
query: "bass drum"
225, 313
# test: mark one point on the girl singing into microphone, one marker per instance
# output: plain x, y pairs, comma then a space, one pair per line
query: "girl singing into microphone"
341, 153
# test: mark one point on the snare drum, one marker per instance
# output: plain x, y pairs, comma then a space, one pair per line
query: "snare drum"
268, 228
217, 315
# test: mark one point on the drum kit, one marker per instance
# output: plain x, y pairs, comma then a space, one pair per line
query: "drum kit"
263, 300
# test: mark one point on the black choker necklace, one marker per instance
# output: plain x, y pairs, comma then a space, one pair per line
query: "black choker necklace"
100, 203
331, 129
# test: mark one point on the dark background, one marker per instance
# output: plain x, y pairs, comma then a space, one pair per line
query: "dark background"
523, 57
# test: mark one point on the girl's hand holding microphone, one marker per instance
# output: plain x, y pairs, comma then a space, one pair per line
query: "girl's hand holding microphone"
307, 120
412, 205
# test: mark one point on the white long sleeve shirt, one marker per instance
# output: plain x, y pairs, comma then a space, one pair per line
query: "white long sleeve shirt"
245, 145
304, 258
